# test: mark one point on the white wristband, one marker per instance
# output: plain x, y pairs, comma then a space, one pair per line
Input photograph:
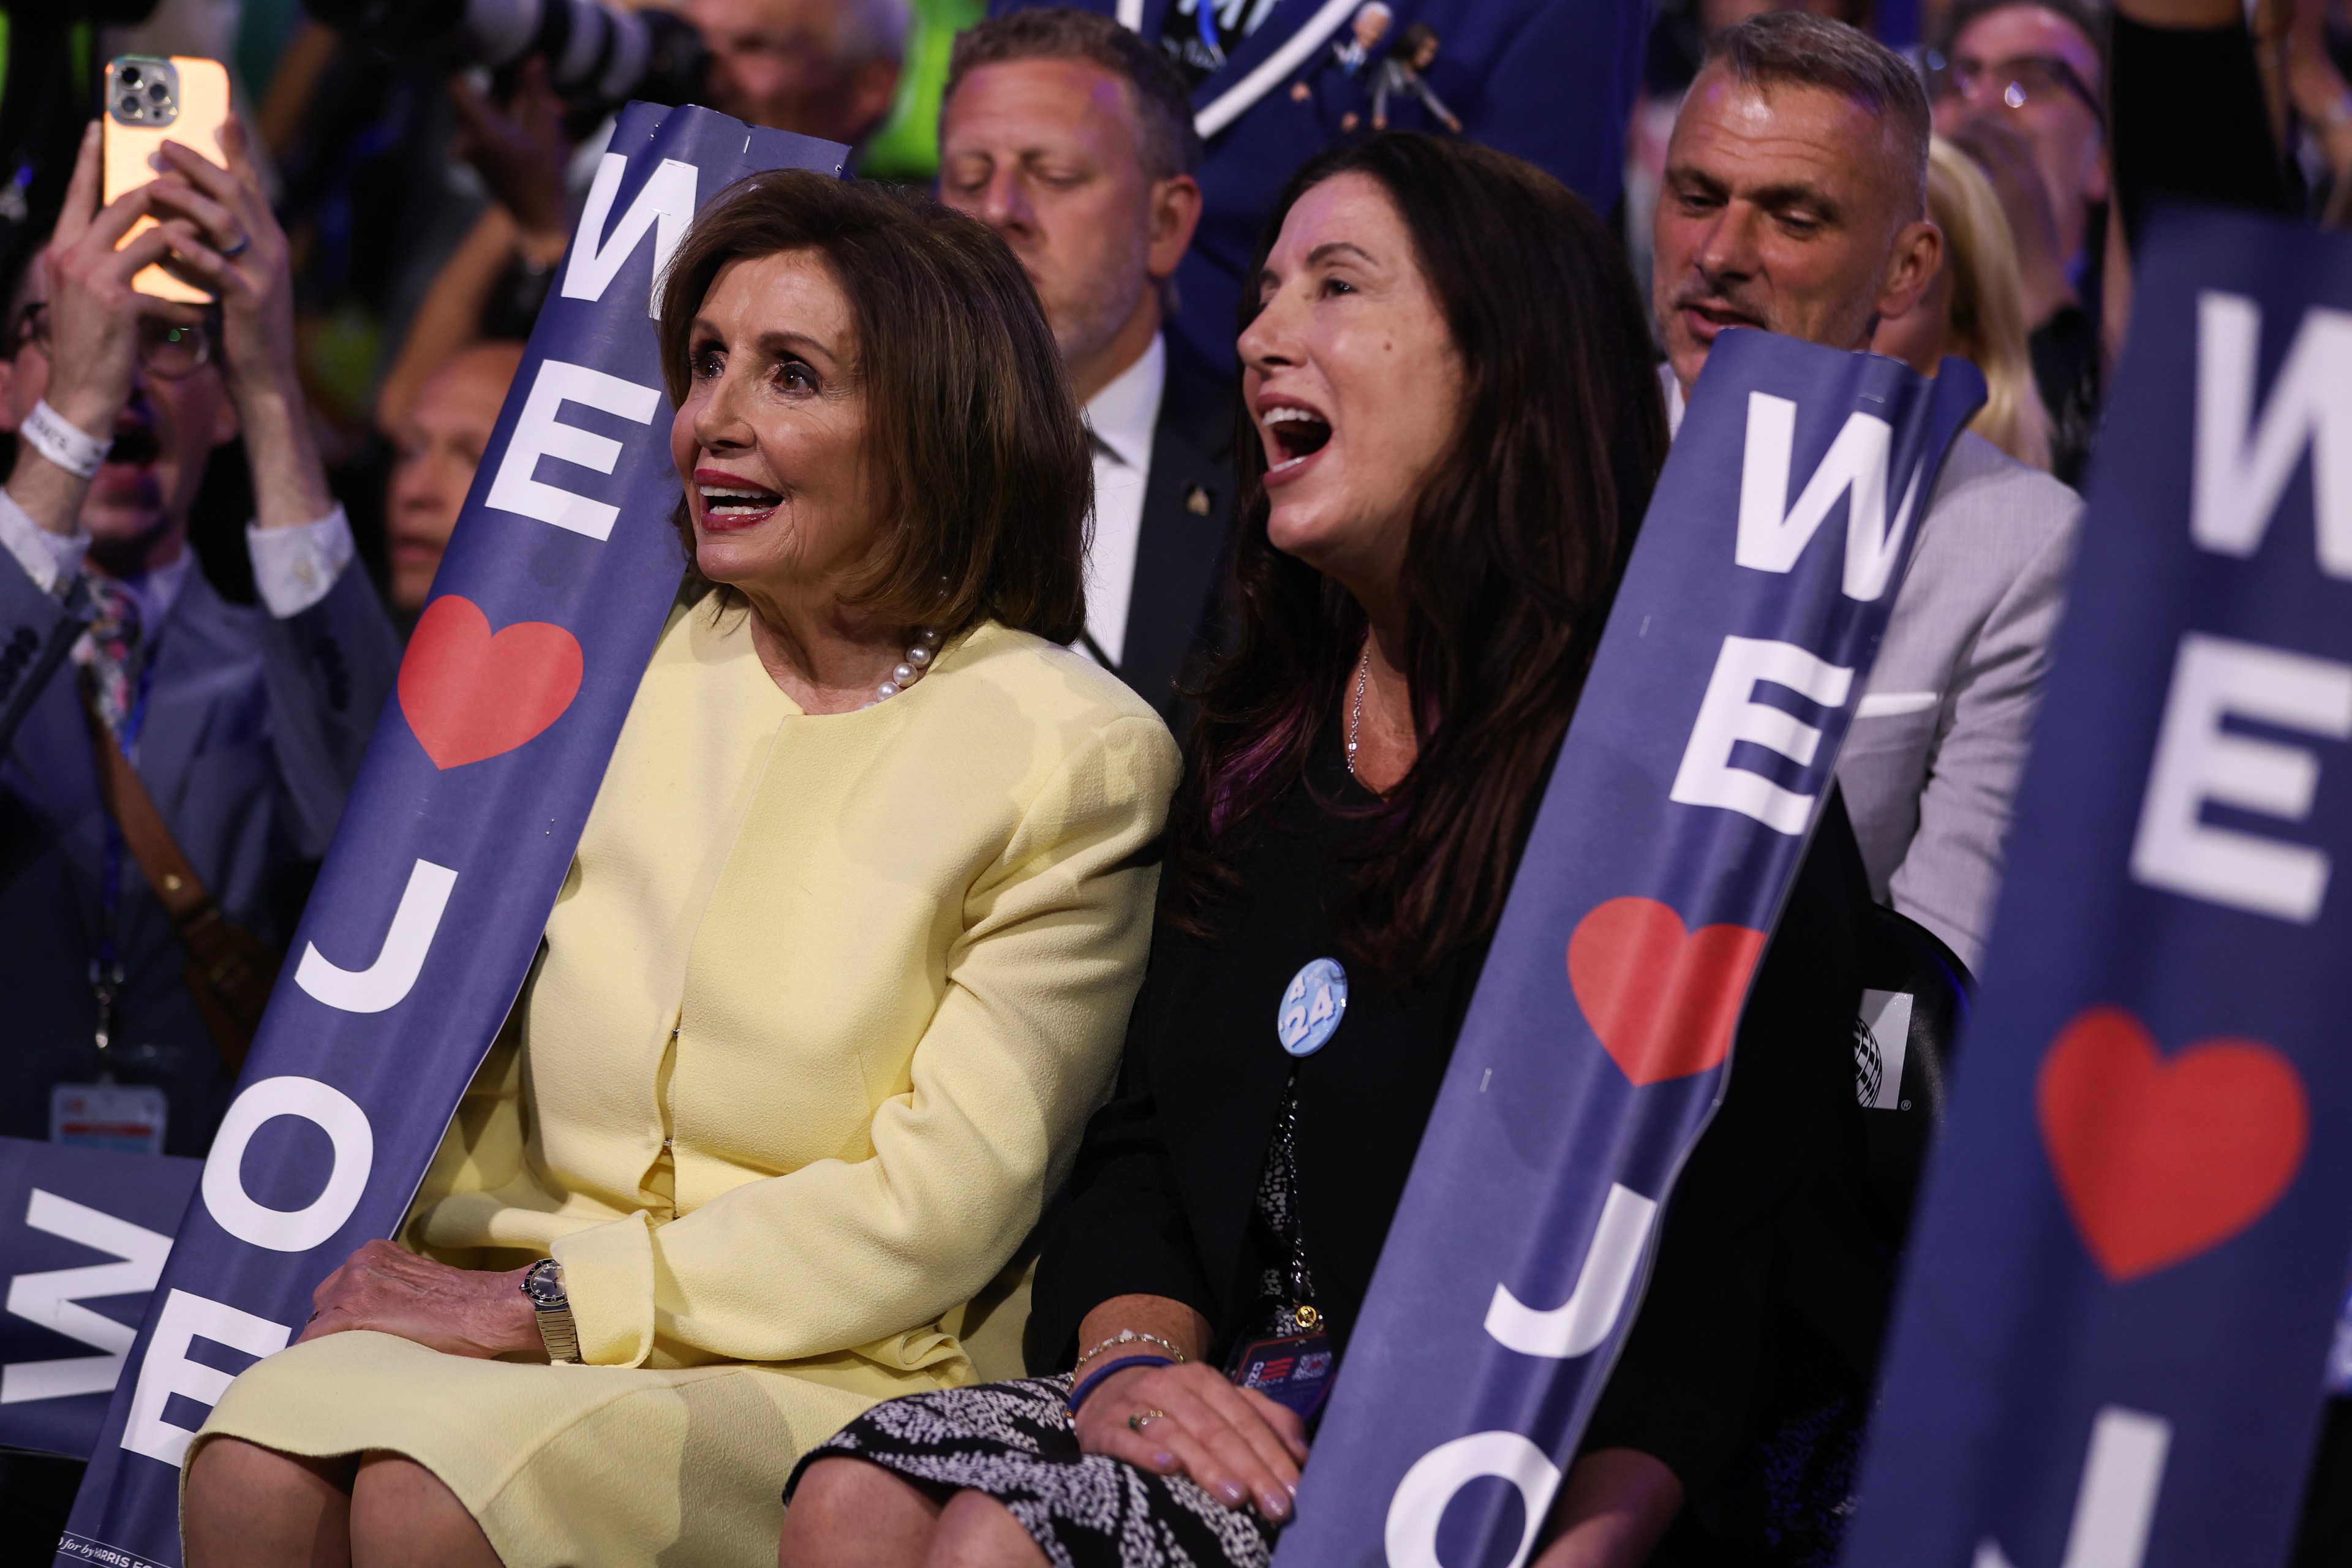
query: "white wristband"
62, 442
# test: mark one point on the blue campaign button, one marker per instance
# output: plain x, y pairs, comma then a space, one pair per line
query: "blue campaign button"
1311, 1007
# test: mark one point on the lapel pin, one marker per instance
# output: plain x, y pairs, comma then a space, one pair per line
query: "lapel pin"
1197, 503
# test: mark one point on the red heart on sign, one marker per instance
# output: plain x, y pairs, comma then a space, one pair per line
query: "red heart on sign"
469, 695
2159, 1160
1664, 1001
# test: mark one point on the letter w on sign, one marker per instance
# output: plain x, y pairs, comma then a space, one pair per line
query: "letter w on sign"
1774, 532
1595, 1047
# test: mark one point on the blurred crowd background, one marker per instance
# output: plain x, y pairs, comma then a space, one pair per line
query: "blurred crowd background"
427, 206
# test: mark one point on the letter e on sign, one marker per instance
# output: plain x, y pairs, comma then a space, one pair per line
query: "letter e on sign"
2197, 761
538, 433
1729, 714
167, 1369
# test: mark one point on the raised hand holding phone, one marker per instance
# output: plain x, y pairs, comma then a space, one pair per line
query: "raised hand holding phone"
91, 319
150, 102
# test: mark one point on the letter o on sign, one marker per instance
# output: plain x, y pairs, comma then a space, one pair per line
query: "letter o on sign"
289, 1230
1421, 1498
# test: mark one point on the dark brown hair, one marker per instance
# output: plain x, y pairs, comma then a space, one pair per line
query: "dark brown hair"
1518, 541
973, 432
1168, 144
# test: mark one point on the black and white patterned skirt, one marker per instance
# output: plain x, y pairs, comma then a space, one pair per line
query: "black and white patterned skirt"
1016, 1442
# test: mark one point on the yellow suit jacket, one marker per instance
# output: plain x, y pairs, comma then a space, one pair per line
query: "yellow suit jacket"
824, 1003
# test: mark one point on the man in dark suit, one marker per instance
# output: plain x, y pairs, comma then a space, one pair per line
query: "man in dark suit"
1552, 81
245, 725
1073, 138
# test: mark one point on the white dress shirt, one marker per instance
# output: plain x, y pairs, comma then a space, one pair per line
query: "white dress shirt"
1122, 418
292, 567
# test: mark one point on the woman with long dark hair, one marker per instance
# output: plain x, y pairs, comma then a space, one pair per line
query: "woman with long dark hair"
1453, 432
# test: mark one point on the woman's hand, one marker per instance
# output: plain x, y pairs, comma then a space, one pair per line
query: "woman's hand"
459, 1311
1238, 1444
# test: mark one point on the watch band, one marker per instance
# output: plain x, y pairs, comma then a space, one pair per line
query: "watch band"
542, 1287
557, 1333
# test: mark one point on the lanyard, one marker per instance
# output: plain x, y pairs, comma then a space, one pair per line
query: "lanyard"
1284, 1153
106, 970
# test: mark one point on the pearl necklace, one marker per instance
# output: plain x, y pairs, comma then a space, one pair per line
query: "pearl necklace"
909, 669
1356, 718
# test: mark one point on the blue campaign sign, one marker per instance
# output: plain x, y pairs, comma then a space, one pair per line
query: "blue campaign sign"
2109, 1347
83, 1235
1593, 1051
457, 835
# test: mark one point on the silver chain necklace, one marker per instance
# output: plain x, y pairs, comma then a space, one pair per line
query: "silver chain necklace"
1356, 718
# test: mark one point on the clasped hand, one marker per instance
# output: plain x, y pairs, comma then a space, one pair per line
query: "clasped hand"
1235, 1443
459, 1311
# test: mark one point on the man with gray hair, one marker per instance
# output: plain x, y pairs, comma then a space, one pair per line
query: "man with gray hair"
822, 67
1071, 137
1795, 201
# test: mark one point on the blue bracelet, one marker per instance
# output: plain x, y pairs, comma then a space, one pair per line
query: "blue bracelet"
1087, 1384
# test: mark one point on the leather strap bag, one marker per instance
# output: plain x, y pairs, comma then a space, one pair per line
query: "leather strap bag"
230, 971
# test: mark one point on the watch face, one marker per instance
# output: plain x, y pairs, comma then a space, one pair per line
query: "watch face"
544, 1285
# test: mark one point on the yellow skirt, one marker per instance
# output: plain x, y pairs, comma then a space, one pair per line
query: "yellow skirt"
572, 1467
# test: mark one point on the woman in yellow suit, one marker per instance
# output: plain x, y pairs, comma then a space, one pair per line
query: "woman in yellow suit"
840, 969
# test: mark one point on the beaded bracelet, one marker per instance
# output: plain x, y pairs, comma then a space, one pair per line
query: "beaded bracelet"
1131, 1337
1086, 1384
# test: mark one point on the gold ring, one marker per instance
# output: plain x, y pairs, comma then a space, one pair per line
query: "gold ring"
1142, 1418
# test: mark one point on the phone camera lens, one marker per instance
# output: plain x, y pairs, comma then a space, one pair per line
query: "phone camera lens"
130, 76
158, 92
129, 107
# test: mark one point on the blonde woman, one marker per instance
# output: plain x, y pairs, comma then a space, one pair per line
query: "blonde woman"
1975, 308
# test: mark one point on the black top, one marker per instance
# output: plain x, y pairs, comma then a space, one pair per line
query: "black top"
1168, 1177
1765, 1222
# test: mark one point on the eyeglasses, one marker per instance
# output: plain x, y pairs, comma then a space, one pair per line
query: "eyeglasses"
165, 350
2016, 81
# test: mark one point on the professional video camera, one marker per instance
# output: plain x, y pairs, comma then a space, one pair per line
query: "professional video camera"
598, 55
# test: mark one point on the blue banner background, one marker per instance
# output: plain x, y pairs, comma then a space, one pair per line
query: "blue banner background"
2014, 1346
146, 1191
1536, 1123
338, 1111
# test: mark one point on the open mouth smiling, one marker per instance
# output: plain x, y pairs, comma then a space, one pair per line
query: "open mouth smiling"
729, 500
1295, 433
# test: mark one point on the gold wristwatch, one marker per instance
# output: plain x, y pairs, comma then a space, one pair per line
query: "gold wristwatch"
542, 1285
